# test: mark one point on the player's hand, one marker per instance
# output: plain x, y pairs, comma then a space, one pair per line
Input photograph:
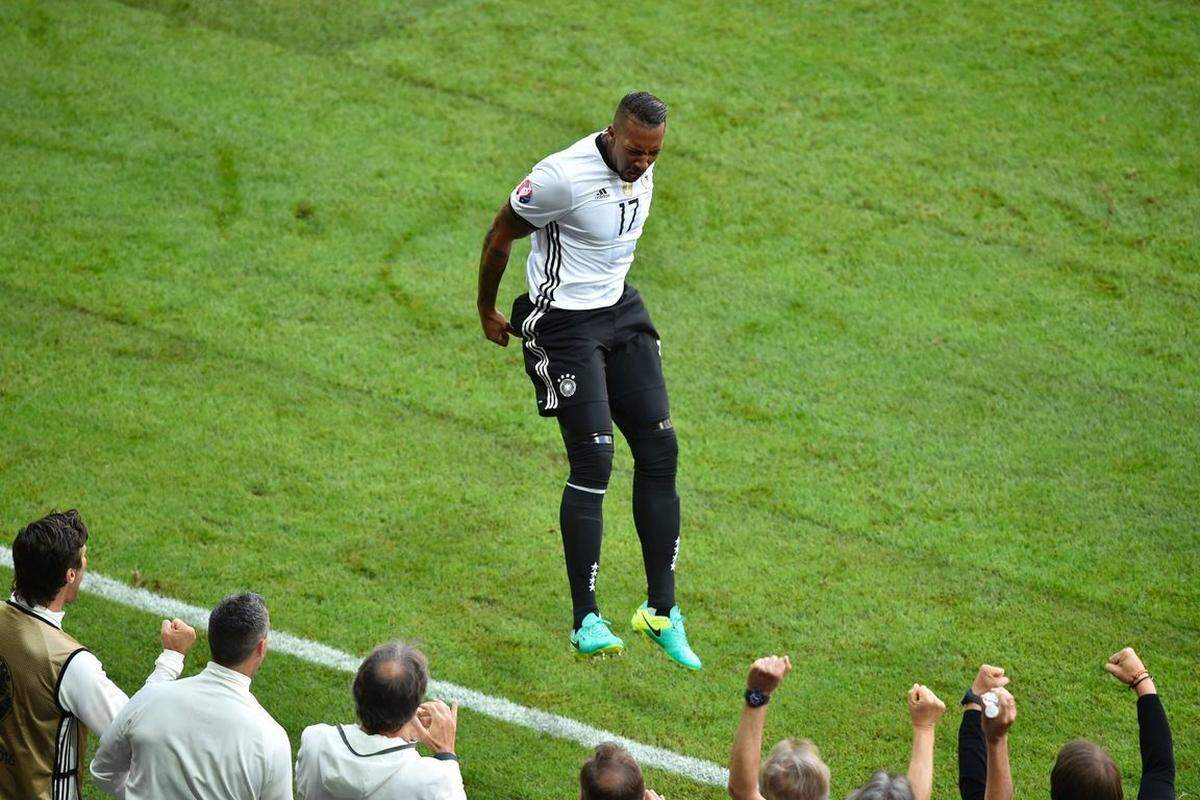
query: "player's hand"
767, 672
924, 707
1125, 666
440, 731
997, 727
495, 326
650, 794
989, 678
177, 635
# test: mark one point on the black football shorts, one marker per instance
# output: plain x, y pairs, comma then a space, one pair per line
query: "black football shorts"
590, 356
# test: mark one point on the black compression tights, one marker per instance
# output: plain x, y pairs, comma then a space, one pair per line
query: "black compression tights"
587, 434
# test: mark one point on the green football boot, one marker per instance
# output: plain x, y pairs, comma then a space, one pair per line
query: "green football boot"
667, 633
595, 638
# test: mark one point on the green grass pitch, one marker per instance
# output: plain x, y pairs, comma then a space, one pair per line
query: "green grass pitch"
928, 280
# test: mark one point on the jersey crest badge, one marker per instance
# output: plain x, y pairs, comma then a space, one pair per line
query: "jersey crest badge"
627, 188
567, 385
525, 191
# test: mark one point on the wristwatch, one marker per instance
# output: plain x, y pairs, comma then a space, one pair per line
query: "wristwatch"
757, 699
971, 697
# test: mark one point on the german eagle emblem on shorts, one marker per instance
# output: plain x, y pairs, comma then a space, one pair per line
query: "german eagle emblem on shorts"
567, 385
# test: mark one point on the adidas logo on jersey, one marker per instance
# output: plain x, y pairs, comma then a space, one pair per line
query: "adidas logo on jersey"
602, 193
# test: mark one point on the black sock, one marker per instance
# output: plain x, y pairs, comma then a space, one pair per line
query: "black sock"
656, 514
581, 517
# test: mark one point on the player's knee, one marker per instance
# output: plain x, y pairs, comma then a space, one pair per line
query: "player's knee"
656, 451
591, 457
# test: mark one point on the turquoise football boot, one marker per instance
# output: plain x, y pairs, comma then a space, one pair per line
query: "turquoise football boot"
595, 638
667, 633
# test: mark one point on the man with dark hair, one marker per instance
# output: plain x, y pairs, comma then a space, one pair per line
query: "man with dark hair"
377, 758
52, 689
612, 774
1083, 770
204, 736
594, 356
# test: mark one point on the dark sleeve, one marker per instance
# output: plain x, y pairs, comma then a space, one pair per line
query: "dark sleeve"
972, 757
1158, 754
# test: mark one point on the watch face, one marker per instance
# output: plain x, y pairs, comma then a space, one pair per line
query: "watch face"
755, 698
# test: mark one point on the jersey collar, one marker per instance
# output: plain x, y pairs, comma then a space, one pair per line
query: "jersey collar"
604, 153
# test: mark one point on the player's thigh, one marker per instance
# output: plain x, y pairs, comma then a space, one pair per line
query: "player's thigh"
637, 390
565, 365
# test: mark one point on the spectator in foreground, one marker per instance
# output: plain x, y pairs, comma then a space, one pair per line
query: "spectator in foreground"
925, 710
377, 759
612, 774
794, 769
58, 688
204, 737
1083, 770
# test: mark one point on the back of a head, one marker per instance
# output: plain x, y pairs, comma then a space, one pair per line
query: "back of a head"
794, 771
235, 627
1084, 771
611, 774
43, 552
389, 685
883, 785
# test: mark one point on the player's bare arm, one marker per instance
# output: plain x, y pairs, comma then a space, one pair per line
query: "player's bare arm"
506, 228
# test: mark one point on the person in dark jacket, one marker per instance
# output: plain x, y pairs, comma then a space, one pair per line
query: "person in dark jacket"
1083, 770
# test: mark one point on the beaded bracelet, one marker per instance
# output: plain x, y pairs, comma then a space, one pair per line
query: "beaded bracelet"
1145, 676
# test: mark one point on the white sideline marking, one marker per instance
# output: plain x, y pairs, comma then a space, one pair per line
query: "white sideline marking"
496, 707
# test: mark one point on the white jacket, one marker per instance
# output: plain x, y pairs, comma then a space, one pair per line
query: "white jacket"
342, 762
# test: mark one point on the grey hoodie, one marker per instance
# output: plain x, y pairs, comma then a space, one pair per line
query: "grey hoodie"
340, 762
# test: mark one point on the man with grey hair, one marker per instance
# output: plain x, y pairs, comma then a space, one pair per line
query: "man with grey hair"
204, 736
794, 769
377, 759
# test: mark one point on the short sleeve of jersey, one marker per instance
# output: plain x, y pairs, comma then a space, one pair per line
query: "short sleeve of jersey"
544, 196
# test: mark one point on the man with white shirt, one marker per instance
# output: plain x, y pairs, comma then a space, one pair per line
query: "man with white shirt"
52, 689
595, 358
204, 737
377, 759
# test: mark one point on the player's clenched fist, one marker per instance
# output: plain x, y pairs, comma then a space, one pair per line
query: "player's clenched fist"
1125, 666
924, 707
989, 678
436, 725
495, 326
177, 635
767, 672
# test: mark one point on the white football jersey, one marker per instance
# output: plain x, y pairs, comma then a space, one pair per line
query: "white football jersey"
588, 222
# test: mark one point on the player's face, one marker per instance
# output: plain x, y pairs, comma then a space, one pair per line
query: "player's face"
635, 147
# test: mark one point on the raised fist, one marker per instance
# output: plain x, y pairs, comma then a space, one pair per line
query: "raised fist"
924, 706
767, 672
995, 728
989, 678
177, 635
1125, 666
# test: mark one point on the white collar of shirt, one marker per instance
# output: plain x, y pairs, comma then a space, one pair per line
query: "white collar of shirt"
55, 618
230, 677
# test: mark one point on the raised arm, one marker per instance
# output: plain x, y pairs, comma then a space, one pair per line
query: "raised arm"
744, 760
925, 710
972, 751
995, 731
506, 228
1154, 733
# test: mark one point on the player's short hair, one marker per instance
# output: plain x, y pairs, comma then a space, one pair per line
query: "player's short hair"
389, 685
43, 552
611, 774
644, 108
883, 785
794, 771
1084, 770
236, 626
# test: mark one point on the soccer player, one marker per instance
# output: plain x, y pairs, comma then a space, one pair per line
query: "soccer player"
594, 356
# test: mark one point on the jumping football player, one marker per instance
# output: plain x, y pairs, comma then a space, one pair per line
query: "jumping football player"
594, 356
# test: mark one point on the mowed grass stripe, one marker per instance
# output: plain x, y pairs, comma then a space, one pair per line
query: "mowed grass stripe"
496, 707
